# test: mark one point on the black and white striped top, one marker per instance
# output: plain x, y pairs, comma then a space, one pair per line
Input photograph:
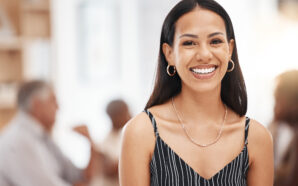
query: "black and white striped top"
168, 169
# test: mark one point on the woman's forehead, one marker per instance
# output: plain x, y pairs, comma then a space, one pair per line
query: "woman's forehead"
200, 20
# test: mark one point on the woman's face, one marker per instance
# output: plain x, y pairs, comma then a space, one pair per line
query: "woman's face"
200, 50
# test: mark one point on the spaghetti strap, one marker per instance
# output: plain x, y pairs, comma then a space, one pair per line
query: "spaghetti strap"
246, 130
152, 121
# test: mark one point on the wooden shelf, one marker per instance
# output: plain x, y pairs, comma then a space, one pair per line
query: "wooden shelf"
35, 6
29, 20
35, 24
6, 114
11, 67
7, 106
8, 95
11, 9
10, 44
38, 7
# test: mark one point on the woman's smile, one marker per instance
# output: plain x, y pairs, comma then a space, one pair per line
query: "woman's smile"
203, 71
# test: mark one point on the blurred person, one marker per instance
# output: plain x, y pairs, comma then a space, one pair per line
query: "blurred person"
285, 129
288, 8
109, 149
194, 130
29, 156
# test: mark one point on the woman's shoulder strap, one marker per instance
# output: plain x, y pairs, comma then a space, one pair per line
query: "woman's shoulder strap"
247, 121
152, 119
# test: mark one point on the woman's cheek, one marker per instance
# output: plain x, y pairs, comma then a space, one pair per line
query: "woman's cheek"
185, 55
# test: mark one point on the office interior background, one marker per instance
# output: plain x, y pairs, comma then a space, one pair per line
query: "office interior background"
93, 51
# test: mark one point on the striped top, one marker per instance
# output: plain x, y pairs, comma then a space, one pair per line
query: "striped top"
168, 169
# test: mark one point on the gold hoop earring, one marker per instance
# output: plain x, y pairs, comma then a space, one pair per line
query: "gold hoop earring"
233, 66
168, 70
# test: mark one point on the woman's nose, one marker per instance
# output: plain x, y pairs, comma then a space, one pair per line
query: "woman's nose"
203, 53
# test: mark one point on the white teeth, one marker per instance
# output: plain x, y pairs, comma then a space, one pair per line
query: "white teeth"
203, 70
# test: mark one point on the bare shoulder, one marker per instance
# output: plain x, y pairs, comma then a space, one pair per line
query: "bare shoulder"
258, 133
260, 151
138, 142
139, 125
139, 131
260, 141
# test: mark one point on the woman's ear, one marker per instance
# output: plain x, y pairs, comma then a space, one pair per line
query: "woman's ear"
231, 47
168, 52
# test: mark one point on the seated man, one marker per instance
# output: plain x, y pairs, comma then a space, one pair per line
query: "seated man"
28, 155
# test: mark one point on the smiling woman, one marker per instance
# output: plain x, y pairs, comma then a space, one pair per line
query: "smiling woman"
201, 40
194, 130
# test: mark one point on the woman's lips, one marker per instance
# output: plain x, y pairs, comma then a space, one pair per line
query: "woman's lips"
203, 72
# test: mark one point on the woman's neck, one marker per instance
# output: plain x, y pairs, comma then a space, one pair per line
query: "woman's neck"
200, 107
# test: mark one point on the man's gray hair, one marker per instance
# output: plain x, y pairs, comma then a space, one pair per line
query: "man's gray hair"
30, 90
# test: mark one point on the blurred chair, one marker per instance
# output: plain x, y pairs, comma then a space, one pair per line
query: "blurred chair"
284, 129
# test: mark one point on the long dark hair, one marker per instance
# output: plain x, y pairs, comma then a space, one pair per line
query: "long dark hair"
233, 91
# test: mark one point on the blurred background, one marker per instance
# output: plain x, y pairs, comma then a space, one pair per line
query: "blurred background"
94, 51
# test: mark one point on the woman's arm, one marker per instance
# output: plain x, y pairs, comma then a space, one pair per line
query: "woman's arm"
260, 149
137, 146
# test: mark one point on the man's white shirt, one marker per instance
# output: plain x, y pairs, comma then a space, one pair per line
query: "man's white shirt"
29, 157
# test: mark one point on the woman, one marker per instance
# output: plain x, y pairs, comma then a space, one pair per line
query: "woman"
194, 130
285, 129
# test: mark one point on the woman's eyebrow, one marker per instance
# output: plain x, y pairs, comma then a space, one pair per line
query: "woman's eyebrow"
196, 36
189, 35
215, 33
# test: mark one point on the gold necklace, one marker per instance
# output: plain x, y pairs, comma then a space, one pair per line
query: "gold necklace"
190, 138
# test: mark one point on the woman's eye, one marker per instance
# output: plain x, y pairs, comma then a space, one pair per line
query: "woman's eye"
188, 43
216, 41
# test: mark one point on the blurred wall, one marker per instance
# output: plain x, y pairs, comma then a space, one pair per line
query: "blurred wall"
96, 60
